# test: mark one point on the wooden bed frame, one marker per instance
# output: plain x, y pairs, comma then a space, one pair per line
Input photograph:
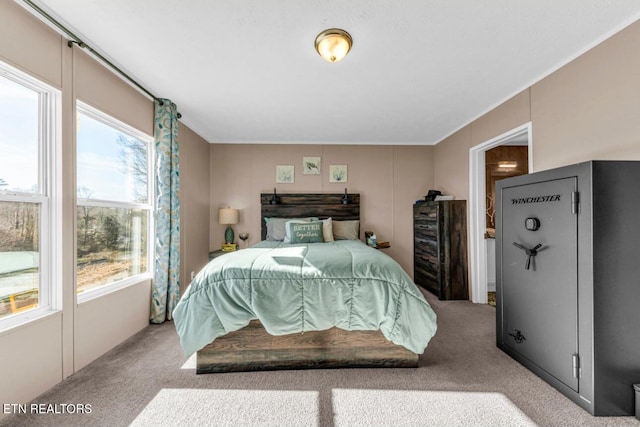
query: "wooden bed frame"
253, 349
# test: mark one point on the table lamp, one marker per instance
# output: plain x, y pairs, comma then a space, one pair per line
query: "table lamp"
228, 217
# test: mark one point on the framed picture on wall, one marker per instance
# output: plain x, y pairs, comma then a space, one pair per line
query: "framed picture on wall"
284, 174
338, 173
311, 165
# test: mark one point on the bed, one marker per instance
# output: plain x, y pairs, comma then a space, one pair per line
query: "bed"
304, 304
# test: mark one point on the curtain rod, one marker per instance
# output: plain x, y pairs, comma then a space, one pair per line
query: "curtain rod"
76, 40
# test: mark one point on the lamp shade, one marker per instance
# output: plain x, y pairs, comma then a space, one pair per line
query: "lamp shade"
333, 44
227, 216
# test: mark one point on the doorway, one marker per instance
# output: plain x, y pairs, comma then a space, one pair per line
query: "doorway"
481, 259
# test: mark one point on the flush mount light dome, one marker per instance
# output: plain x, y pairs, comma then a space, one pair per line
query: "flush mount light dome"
333, 44
507, 164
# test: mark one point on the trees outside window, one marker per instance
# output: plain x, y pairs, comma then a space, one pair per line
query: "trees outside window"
114, 194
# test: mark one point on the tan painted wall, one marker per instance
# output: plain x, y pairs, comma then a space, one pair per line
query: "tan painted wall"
37, 355
412, 178
587, 110
102, 323
503, 118
99, 87
194, 203
38, 54
389, 179
451, 164
590, 109
31, 359
452, 154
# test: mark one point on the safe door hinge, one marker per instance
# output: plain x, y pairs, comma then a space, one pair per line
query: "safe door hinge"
577, 371
575, 202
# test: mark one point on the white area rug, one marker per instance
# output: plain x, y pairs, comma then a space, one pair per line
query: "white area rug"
201, 407
194, 407
425, 408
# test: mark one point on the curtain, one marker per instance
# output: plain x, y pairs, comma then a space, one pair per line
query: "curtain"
166, 278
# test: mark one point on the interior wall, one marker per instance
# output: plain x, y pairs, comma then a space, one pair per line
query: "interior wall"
194, 203
38, 354
412, 178
586, 110
451, 164
102, 323
452, 154
589, 109
31, 359
389, 179
99, 87
501, 119
38, 54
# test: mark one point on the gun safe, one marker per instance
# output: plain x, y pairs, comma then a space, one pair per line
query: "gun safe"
568, 280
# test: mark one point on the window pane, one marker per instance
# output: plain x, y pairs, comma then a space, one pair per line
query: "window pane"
111, 164
19, 256
18, 137
112, 245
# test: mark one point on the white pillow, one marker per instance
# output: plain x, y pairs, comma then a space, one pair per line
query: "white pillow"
327, 230
346, 230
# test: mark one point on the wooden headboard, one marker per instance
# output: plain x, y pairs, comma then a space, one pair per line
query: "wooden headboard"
321, 205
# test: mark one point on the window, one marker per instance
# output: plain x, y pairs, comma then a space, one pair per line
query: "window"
28, 139
114, 191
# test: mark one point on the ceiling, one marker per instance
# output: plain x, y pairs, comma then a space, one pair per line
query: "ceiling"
245, 71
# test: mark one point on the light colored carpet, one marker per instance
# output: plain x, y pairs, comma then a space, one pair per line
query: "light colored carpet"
463, 380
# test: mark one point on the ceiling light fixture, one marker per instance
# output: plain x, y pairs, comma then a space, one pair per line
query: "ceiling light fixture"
333, 44
507, 164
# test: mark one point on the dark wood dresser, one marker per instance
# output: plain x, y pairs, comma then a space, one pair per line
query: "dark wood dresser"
440, 248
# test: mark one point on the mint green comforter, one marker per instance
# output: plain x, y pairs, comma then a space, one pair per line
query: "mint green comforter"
292, 288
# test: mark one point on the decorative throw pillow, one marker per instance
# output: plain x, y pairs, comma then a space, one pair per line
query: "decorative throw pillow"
346, 230
287, 228
276, 226
305, 232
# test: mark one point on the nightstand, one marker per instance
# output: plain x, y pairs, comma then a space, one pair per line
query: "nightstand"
216, 254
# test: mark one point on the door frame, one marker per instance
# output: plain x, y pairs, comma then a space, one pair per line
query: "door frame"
477, 206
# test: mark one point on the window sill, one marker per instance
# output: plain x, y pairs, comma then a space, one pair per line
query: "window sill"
12, 323
113, 287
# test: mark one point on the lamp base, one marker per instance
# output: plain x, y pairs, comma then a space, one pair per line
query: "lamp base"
229, 235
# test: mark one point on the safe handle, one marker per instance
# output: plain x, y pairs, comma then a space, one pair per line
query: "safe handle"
530, 252
518, 245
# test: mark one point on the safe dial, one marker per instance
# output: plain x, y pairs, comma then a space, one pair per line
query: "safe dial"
532, 224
